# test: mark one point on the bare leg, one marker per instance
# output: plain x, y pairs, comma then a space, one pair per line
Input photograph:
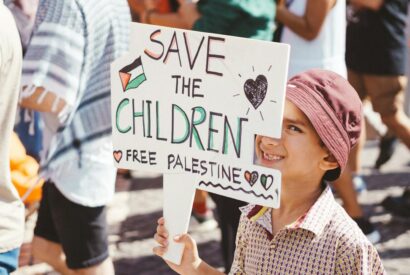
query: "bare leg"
399, 124
104, 268
355, 154
50, 253
344, 184
200, 206
344, 187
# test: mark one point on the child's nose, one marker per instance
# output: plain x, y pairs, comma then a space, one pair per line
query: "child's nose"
271, 141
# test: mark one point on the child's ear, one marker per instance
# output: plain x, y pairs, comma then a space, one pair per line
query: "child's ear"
329, 162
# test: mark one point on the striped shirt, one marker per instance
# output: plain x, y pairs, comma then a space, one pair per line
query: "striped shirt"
69, 55
323, 241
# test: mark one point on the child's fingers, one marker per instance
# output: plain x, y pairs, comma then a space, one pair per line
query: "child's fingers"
185, 239
159, 250
161, 230
161, 221
161, 240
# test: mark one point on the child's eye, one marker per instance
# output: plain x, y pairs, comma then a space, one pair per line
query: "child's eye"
294, 128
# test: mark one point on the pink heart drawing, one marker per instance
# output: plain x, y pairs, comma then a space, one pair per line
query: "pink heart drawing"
117, 155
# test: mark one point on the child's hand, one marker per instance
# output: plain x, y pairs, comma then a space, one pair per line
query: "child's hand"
190, 259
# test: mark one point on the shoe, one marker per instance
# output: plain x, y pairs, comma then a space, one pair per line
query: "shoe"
406, 194
368, 229
399, 206
387, 146
202, 222
359, 184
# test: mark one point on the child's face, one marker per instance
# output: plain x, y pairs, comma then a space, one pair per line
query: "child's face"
298, 154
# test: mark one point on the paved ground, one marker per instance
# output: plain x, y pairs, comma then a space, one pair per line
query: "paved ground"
138, 204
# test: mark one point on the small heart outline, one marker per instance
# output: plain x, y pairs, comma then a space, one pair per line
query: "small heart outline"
117, 155
266, 181
251, 178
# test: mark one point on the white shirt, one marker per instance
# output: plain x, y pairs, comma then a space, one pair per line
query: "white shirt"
89, 181
11, 207
327, 50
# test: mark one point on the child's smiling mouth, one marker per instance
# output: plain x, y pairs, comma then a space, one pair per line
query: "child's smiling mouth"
271, 157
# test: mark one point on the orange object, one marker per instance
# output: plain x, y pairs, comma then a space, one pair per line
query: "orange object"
164, 6
29, 166
23, 183
24, 172
17, 152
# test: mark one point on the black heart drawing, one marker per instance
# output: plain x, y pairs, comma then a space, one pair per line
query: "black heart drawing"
255, 90
266, 181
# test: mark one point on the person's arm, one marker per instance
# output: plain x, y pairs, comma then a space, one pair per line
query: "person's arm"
309, 25
191, 264
53, 63
184, 18
167, 19
49, 102
374, 5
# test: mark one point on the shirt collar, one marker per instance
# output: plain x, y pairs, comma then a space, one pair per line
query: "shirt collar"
314, 220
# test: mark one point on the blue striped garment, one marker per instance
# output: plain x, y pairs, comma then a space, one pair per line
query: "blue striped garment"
70, 53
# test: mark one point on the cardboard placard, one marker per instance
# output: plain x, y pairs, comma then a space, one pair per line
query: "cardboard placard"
189, 104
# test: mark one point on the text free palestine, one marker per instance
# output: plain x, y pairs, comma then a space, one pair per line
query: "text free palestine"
186, 164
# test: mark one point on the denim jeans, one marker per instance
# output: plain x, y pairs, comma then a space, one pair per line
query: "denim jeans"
9, 261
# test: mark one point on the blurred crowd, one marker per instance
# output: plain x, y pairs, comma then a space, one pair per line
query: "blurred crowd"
55, 127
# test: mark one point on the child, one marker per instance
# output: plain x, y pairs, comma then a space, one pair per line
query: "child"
310, 232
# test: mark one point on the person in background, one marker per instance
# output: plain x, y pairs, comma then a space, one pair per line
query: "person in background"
318, 27
376, 61
66, 77
243, 18
11, 207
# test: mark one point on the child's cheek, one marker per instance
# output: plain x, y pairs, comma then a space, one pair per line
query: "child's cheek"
258, 153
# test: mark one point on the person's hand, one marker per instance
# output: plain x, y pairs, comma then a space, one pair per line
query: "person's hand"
136, 6
280, 3
280, 9
151, 4
190, 259
188, 12
374, 5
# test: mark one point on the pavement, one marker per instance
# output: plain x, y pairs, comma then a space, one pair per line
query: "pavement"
137, 205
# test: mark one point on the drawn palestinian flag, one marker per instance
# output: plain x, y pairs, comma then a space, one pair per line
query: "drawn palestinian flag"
132, 75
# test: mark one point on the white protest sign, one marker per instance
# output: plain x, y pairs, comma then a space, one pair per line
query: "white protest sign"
189, 104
